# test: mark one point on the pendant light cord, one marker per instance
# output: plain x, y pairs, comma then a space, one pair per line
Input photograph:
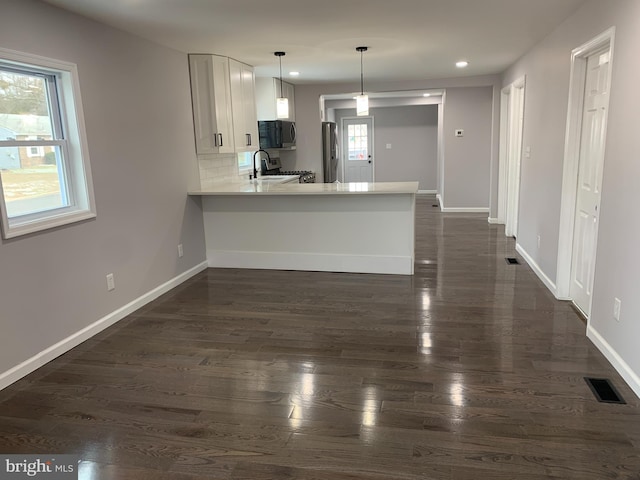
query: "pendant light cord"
280, 57
361, 74
361, 50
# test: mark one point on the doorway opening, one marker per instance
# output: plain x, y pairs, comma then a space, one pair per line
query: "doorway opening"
583, 167
404, 133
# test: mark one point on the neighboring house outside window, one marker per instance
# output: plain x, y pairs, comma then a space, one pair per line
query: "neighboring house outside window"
45, 179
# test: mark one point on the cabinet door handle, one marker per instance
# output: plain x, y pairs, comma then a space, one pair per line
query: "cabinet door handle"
221, 144
215, 140
248, 139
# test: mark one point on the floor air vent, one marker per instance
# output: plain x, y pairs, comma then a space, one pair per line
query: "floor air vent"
603, 390
512, 261
435, 205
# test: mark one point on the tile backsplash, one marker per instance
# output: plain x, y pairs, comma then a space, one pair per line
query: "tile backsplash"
217, 168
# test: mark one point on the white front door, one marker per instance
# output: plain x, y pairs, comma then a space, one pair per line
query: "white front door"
594, 123
357, 134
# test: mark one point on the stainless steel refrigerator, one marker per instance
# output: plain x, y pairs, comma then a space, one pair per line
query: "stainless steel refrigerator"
330, 152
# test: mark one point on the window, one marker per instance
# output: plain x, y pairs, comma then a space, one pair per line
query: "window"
245, 162
358, 142
45, 179
35, 151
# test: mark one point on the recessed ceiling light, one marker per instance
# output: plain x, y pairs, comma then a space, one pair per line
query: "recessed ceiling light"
426, 94
294, 74
462, 64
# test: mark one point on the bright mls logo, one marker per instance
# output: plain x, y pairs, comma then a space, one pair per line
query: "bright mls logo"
51, 467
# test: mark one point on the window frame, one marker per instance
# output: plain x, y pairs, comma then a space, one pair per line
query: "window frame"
69, 135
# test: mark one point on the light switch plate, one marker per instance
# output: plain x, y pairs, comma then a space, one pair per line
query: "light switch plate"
616, 308
111, 283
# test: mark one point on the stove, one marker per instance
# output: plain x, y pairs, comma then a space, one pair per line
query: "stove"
306, 176
273, 167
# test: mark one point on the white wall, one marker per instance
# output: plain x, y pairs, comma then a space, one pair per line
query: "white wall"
412, 132
308, 155
617, 272
140, 134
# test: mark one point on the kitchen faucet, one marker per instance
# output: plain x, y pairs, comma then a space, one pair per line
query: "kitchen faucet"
255, 170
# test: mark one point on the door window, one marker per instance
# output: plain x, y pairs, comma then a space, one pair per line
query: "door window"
358, 141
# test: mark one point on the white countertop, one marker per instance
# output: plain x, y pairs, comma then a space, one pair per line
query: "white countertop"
276, 188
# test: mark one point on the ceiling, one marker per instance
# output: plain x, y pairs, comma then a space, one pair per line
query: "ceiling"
407, 39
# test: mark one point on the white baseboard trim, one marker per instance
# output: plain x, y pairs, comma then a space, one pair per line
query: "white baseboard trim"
536, 269
439, 199
622, 367
25, 368
427, 192
494, 221
465, 210
311, 262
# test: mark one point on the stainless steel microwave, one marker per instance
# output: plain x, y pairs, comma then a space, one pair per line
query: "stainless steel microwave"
277, 134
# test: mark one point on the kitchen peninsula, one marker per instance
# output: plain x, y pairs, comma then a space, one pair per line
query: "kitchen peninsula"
336, 227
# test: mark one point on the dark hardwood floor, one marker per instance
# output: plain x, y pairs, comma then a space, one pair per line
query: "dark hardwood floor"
468, 370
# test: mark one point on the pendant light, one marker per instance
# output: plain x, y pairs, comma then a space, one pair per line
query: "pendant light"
362, 100
282, 103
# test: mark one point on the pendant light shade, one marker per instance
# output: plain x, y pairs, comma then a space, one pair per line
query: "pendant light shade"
282, 107
362, 105
282, 102
362, 100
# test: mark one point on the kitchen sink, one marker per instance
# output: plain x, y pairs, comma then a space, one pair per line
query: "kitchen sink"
276, 179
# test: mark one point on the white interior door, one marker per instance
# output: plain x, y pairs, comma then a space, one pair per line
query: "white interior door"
357, 146
511, 131
591, 161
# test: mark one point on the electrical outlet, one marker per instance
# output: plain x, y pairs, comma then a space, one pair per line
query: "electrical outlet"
111, 283
388, 146
180, 250
459, 133
616, 309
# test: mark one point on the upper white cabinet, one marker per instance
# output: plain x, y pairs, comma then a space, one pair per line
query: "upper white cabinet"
267, 90
211, 99
243, 101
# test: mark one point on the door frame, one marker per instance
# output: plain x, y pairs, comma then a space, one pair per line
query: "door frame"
344, 145
572, 157
512, 102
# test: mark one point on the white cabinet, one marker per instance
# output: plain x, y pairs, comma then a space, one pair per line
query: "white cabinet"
267, 90
243, 101
211, 99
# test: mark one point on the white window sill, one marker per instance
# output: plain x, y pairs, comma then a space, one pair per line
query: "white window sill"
25, 228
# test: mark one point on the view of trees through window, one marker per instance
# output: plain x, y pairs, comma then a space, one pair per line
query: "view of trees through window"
22, 94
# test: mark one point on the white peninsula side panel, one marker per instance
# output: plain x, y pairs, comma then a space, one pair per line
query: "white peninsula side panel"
362, 233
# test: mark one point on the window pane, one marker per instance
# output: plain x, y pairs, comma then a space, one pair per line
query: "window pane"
24, 107
245, 159
358, 142
32, 184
